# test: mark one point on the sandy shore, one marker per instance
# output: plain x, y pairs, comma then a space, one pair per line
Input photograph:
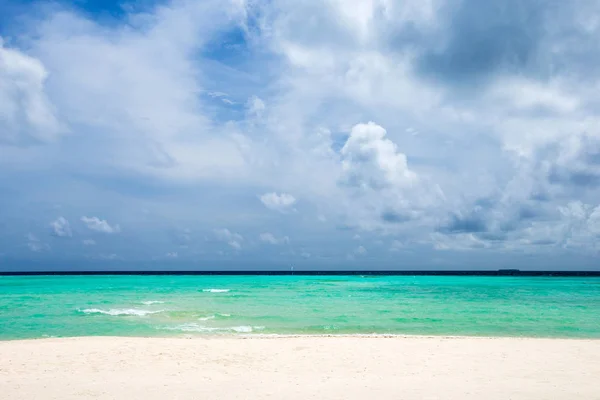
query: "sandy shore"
300, 368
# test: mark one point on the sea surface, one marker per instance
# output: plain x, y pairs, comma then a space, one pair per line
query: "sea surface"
61, 306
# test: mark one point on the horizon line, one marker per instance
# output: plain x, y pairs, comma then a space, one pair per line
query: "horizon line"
497, 272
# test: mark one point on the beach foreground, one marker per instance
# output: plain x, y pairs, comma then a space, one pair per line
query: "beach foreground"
299, 368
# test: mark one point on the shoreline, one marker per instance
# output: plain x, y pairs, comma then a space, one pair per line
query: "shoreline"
301, 367
274, 336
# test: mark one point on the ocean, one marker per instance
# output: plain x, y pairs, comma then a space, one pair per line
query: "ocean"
66, 306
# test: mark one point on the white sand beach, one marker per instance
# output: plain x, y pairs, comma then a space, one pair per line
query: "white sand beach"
300, 368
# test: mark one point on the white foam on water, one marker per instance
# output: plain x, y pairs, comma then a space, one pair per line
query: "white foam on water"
242, 329
247, 329
192, 327
216, 290
150, 302
116, 312
217, 315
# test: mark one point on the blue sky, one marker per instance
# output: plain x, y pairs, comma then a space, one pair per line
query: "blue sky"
321, 134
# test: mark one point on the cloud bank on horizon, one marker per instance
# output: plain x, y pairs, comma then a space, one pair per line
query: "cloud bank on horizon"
362, 133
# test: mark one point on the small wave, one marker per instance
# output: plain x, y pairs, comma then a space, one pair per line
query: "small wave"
247, 329
216, 290
150, 302
199, 328
116, 312
217, 315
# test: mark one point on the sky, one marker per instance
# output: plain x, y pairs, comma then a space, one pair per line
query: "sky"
355, 134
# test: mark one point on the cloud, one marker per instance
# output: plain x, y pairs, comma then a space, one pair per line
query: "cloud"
465, 224
100, 225
88, 242
394, 217
397, 245
61, 227
255, 106
458, 242
370, 161
203, 105
143, 89
356, 252
278, 202
576, 162
172, 254
581, 226
382, 191
360, 250
34, 244
181, 237
231, 238
26, 114
471, 51
272, 239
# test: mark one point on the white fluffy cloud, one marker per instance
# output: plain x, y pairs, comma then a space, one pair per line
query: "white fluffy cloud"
233, 239
26, 114
133, 90
61, 227
360, 250
279, 202
269, 238
256, 106
379, 189
371, 161
100, 225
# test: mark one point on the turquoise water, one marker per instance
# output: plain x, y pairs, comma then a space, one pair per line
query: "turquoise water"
43, 306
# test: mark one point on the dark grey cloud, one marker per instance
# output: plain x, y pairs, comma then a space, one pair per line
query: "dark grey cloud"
540, 196
537, 39
481, 37
492, 236
565, 176
393, 217
543, 242
345, 227
528, 212
575, 164
490, 219
469, 223
590, 150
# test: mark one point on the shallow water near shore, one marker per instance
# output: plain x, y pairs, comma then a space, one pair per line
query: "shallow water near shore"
62, 306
